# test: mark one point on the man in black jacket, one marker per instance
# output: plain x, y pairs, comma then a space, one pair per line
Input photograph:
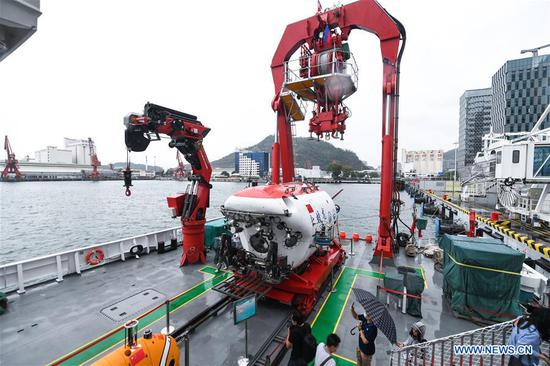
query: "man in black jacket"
295, 340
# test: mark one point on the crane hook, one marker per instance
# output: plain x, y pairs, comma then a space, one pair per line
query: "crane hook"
127, 181
127, 175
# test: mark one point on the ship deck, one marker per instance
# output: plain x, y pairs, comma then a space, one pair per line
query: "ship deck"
78, 320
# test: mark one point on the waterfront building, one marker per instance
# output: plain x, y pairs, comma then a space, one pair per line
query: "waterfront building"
53, 155
521, 92
474, 122
422, 162
449, 160
252, 163
314, 172
80, 150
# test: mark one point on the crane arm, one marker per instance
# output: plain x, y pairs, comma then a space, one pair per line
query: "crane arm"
185, 131
186, 134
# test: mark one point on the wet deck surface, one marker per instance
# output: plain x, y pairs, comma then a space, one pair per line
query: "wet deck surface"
436, 314
57, 318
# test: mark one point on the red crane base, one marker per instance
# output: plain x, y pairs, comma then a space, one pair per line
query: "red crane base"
384, 248
302, 290
193, 242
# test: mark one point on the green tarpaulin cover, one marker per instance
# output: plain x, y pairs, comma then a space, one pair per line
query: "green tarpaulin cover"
481, 277
415, 286
212, 230
393, 280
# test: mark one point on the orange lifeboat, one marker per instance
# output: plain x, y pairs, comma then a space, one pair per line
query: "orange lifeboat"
148, 350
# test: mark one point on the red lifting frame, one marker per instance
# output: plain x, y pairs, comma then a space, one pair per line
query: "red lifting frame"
367, 15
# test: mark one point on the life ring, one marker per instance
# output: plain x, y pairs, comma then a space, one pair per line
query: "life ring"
136, 249
95, 256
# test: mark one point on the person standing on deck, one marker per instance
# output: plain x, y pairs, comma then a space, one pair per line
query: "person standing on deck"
367, 335
295, 340
531, 330
323, 356
416, 335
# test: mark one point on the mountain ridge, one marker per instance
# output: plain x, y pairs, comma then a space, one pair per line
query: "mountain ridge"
306, 151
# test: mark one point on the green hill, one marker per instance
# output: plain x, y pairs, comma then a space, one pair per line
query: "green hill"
319, 153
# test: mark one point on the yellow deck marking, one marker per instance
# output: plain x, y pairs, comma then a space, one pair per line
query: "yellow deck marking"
345, 303
326, 298
424, 277
345, 358
363, 269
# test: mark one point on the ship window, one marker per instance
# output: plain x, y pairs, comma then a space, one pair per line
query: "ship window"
499, 157
515, 156
541, 161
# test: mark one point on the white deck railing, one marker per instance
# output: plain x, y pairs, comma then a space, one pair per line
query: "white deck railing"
21, 274
440, 351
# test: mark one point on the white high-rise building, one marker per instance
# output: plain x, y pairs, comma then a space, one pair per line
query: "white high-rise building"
53, 155
80, 151
248, 167
422, 162
252, 163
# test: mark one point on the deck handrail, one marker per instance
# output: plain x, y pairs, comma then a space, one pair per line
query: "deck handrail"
441, 351
16, 276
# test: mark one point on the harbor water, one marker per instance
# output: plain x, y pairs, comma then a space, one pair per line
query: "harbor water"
39, 218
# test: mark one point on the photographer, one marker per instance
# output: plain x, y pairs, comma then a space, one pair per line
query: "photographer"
367, 335
297, 332
531, 329
416, 335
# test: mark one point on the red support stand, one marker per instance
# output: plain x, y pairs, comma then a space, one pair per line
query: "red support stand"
193, 242
384, 248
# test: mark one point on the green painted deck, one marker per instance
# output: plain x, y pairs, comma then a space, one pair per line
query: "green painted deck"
110, 340
330, 313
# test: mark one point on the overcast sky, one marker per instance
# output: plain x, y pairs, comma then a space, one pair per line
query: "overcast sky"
92, 62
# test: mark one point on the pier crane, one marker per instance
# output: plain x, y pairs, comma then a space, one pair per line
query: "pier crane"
326, 75
186, 133
11, 170
180, 170
94, 161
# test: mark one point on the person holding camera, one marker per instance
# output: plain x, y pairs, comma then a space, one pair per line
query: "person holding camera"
416, 335
367, 335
